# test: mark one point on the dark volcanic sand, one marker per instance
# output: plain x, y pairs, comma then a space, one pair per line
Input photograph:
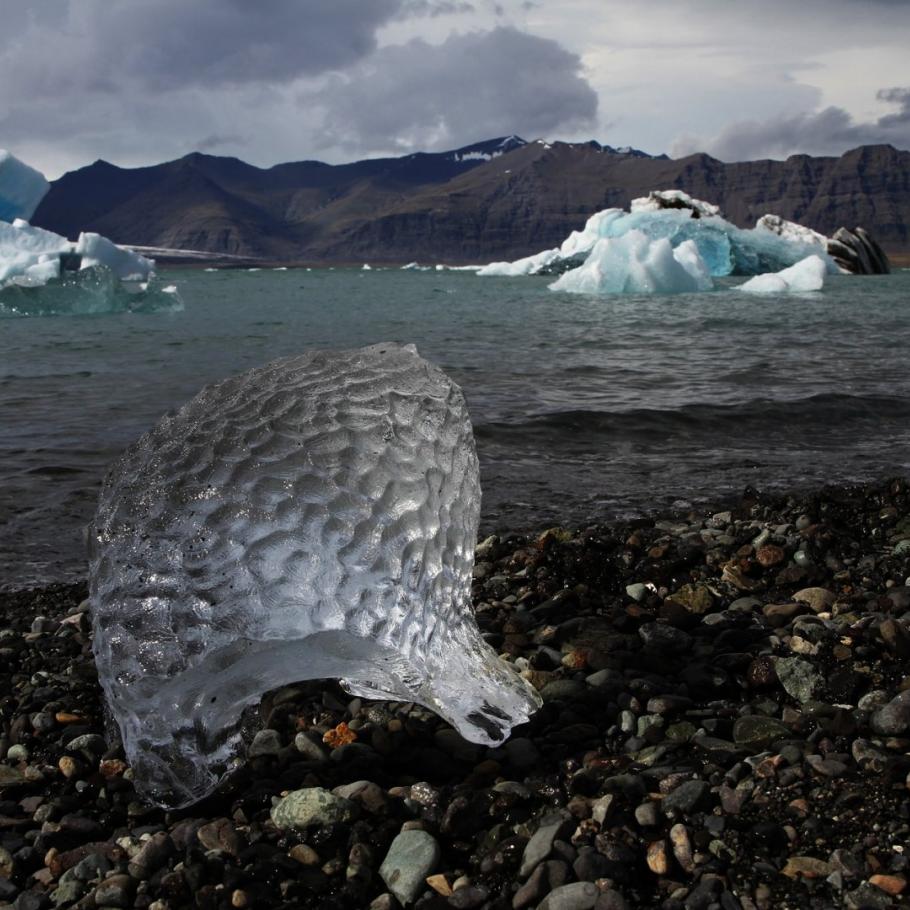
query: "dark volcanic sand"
731, 735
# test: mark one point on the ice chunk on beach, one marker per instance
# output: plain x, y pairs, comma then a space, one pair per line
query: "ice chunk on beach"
806, 275
315, 517
21, 188
635, 264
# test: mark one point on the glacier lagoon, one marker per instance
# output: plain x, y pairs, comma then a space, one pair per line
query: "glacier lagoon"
585, 407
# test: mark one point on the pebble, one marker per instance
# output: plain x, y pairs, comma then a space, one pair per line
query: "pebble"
893, 718
817, 599
758, 732
540, 845
685, 797
658, 857
664, 639
575, 896
219, 835
265, 742
310, 749
412, 856
800, 679
311, 806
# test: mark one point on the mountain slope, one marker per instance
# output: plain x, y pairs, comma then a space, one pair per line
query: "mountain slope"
498, 199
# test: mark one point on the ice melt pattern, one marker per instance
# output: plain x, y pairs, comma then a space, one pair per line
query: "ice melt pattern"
314, 517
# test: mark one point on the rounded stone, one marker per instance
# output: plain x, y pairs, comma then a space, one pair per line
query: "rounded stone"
311, 807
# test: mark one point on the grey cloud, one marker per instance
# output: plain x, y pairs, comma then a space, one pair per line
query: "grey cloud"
116, 45
215, 140
433, 8
830, 131
470, 87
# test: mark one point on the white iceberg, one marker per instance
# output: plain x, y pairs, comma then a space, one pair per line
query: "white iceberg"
807, 275
530, 265
634, 264
314, 517
32, 258
21, 188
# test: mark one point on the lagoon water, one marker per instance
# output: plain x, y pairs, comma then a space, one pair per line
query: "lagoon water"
585, 408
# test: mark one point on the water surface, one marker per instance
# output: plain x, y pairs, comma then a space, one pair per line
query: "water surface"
584, 408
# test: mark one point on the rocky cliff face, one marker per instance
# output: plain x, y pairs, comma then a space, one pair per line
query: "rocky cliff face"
495, 200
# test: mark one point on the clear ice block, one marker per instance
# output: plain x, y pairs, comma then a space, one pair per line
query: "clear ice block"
315, 517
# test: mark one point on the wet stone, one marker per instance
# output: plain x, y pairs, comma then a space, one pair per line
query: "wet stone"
686, 797
540, 845
756, 732
893, 718
412, 856
575, 896
799, 678
664, 639
309, 807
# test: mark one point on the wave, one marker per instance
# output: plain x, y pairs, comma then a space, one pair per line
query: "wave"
828, 412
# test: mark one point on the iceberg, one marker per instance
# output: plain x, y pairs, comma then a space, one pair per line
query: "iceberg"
807, 275
672, 215
32, 258
21, 188
635, 264
314, 517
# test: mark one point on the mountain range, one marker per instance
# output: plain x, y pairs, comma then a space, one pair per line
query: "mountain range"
499, 199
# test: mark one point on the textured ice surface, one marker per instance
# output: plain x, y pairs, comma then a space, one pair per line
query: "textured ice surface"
635, 264
807, 275
21, 188
315, 517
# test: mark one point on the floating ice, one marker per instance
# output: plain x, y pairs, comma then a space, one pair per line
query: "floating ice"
32, 259
530, 265
21, 188
633, 264
89, 292
806, 275
673, 215
311, 518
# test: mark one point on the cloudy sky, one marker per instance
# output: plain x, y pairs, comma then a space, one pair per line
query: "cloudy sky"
140, 81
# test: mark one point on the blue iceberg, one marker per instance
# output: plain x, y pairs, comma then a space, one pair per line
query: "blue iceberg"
672, 218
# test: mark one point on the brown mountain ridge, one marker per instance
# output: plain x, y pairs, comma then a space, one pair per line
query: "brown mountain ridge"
499, 199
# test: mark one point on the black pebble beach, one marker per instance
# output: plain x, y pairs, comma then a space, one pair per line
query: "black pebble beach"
726, 726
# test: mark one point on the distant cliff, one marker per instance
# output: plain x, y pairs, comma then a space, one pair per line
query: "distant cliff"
499, 199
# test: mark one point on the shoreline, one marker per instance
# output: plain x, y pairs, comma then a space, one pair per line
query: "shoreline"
723, 725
